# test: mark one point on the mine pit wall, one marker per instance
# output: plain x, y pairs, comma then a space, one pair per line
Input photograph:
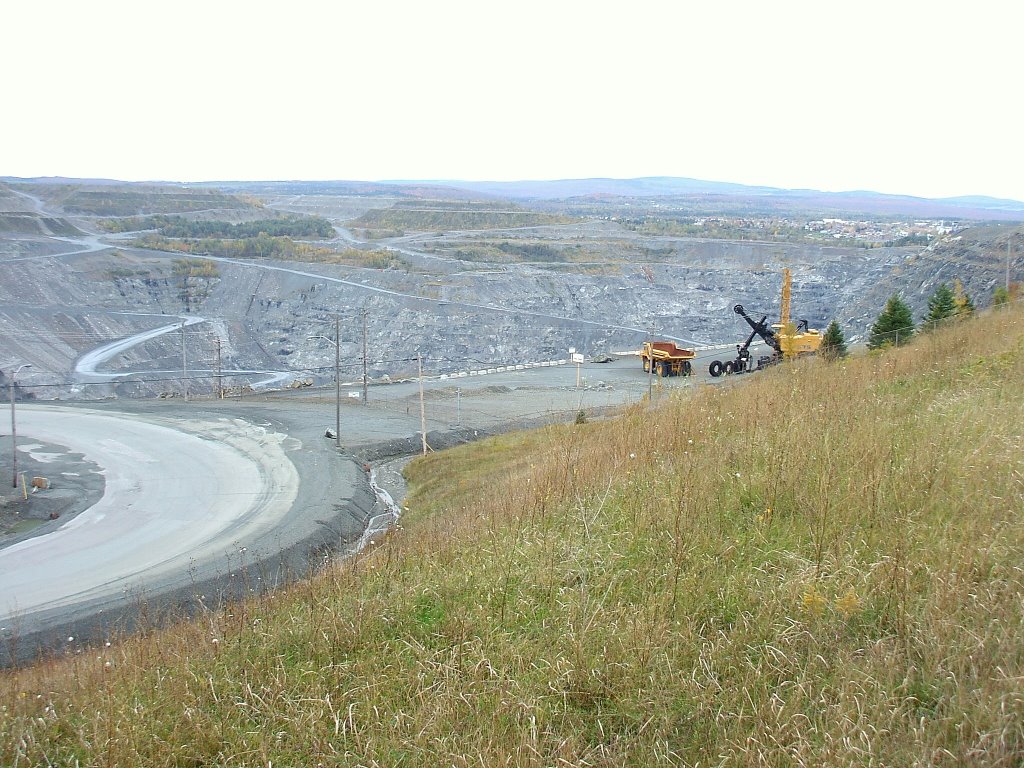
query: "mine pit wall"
334, 534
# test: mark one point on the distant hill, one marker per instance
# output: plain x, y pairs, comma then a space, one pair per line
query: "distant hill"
982, 201
651, 186
70, 180
409, 189
757, 199
976, 207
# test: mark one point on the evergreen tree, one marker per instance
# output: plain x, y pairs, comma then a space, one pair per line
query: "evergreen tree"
941, 306
962, 301
894, 326
833, 345
1000, 296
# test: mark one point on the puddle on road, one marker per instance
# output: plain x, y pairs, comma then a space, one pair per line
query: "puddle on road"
43, 457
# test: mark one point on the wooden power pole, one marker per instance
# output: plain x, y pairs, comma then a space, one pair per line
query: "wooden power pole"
365, 394
220, 375
1008, 241
184, 363
337, 382
423, 410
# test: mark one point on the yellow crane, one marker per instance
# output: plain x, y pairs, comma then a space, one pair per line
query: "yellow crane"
795, 339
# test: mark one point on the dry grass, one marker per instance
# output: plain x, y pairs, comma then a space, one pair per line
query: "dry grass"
822, 566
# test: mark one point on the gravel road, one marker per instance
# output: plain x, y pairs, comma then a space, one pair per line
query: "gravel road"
202, 501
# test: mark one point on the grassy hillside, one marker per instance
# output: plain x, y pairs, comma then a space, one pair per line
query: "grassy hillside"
33, 224
820, 566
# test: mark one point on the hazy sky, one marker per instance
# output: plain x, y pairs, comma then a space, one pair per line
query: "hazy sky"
900, 96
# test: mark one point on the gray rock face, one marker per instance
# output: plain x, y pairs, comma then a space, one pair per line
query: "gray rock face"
604, 289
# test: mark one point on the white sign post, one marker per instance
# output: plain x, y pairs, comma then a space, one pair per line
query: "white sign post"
578, 359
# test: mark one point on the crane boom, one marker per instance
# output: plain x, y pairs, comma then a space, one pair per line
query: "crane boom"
787, 287
759, 328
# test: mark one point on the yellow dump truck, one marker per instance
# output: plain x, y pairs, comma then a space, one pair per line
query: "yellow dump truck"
667, 358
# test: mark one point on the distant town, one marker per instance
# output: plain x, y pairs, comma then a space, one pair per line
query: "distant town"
884, 232
859, 232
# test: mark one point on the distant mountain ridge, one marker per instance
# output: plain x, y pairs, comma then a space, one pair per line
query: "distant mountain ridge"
984, 201
775, 200
968, 206
648, 186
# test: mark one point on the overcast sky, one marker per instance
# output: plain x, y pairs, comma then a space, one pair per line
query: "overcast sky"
920, 98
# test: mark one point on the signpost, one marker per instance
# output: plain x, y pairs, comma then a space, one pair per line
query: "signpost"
577, 358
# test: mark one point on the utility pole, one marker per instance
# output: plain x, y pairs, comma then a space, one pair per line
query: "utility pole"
14, 435
337, 379
14, 430
1008, 241
423, 410
337, 382
458, 406
220, 380
365, 394
650, 370
184, 362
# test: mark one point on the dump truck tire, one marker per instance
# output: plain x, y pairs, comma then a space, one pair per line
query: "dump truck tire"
715, 369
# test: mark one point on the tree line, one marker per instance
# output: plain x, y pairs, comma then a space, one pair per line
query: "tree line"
267, 247
177, 226
895, 324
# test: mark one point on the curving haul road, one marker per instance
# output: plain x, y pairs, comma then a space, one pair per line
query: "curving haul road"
187, 503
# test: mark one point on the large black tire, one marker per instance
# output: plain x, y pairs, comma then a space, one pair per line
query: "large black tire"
665, 370
727, 367
715, 369
687, 368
